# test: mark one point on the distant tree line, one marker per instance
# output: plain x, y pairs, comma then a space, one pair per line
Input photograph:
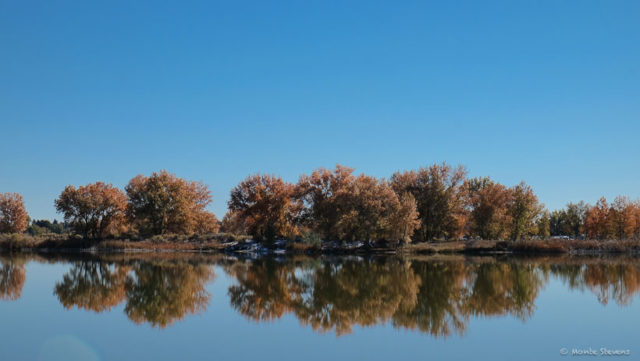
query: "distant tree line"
438, 202
159, 204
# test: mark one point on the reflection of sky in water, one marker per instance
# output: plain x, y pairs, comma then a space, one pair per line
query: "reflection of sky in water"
66, 348
38, 327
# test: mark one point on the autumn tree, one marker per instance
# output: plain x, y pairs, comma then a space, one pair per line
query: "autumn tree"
405, 219
440, 197
372, 211
233, 223
164, 203
598, 224
636, 231
523, 209
489, 216
323, 193
95, 210
13, 215
264, 204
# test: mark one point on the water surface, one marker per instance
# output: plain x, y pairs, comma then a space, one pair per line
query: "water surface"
181, 306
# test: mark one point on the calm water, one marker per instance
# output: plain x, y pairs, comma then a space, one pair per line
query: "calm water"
180, 307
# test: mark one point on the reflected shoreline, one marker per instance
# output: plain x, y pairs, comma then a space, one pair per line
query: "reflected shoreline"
436, 295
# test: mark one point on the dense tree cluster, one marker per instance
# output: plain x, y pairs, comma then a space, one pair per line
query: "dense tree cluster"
618, 220
39, 227
440, 198
427, 204
432, 203
341, 206
159, 204
335, 205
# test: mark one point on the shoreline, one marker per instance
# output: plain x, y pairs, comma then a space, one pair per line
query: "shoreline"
228, 244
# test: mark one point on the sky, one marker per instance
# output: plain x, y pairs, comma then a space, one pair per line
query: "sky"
542, 91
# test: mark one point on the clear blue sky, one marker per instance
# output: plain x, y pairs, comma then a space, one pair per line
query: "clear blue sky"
542, 91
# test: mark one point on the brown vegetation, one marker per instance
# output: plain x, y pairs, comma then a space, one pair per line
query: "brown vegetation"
94, 211
13, 215
325, 209
164, 203
266, 207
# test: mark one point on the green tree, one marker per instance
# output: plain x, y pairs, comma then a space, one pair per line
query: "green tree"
523, 209
543, 225
440, 196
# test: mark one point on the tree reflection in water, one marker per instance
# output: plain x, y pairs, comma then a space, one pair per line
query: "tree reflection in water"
159, 293
162, 294
437, 296
12, 278
608, 279
92, 285
433, 295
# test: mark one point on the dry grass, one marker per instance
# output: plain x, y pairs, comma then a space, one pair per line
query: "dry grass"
15, 242
434, 247
299, 247
546, 246
575, 246
218, 242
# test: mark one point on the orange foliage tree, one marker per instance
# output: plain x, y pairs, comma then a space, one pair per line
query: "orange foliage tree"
95, 210
265, 206
323, 192
340, 206
164, 203
13, 215
597, 222
488, 200
373, 211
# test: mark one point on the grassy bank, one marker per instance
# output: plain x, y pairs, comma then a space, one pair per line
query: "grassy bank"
229, 243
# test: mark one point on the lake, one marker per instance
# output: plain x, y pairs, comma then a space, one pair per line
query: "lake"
177, 306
